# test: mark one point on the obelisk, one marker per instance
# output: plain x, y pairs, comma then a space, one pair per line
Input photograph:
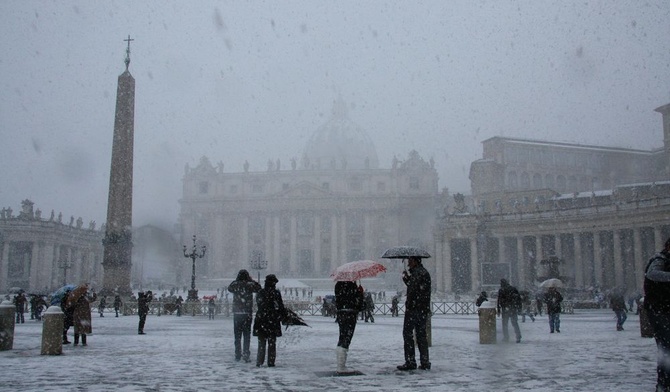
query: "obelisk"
118, 235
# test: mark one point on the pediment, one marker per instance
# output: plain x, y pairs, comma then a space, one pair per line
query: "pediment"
304, 189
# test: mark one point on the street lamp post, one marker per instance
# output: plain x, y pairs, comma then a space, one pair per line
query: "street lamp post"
193, 293
257, 263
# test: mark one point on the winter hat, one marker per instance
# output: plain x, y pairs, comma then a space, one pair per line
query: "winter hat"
503, 282
243, 275
271, 279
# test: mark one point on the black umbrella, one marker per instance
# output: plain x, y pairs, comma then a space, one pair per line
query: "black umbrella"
292, 318
404, 252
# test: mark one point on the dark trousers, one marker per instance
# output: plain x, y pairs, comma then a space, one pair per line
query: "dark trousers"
621, 317
554, 322
660, 322
242, 330
415, 323
510, 315
143, 319
19, 315
347, 324
272, 350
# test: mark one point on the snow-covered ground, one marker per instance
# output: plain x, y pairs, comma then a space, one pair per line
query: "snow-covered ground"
196, 354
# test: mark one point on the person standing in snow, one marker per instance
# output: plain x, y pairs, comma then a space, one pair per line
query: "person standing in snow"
117, 304
618, 304
80, 301
349, 301
657, 305
417, 311
267, 324
67, 315
102, 305
553, 299
509, 305
243, 289
143, 300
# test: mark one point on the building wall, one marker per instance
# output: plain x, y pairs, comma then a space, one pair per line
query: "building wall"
40, 255
305, 222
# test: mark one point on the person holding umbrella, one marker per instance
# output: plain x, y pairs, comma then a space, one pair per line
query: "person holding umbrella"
349, 301
417, 311
267, 324
80, 301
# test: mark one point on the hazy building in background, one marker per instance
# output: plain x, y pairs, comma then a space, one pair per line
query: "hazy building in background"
157, 259
600, 211
40, 254
305, 217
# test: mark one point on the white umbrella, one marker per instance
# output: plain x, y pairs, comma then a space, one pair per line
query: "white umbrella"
553, 282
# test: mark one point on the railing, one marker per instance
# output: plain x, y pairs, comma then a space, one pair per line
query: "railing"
304, 308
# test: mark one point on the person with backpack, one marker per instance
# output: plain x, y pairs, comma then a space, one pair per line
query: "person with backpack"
509, 305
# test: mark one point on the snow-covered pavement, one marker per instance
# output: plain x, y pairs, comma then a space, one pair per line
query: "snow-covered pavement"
196, 354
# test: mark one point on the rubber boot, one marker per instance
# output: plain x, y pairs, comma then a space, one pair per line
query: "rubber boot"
341, 359
76, 339
83, 339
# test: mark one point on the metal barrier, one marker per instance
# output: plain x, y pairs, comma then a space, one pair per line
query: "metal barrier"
304, 308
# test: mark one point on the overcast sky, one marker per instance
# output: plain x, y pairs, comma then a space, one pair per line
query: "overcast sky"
253, 80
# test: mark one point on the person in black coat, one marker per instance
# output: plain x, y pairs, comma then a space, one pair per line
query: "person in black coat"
143, 300
117, 304
267, 324
349, 301
417, 311
553, 299
243, 289
509, 305
68, 315
657, 306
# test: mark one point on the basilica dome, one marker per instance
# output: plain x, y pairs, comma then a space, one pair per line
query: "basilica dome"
340, 144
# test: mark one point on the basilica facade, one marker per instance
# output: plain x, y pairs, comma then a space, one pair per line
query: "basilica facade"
335, 204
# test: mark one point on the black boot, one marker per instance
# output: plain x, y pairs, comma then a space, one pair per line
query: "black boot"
83, 339
65, 341
76, 339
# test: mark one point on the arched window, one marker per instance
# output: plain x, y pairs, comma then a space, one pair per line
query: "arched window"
560, 183
525, 181
511, 180
549, 181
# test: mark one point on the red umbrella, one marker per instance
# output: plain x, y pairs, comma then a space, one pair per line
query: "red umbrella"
356, 270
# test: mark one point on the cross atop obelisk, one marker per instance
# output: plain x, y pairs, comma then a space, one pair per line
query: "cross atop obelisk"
128, 51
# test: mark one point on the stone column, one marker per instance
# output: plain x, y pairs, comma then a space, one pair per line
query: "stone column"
217, 244
344, 246
522, 264
640, 263
597, 259
579, 261
557, 245
618, 263
658, 240
293, 261
439, 260
368, 247
334, 242
447, 275
474, 265
35, 268
317, 244
276, 251
4, 265
538, 250
268, 243
244, 263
